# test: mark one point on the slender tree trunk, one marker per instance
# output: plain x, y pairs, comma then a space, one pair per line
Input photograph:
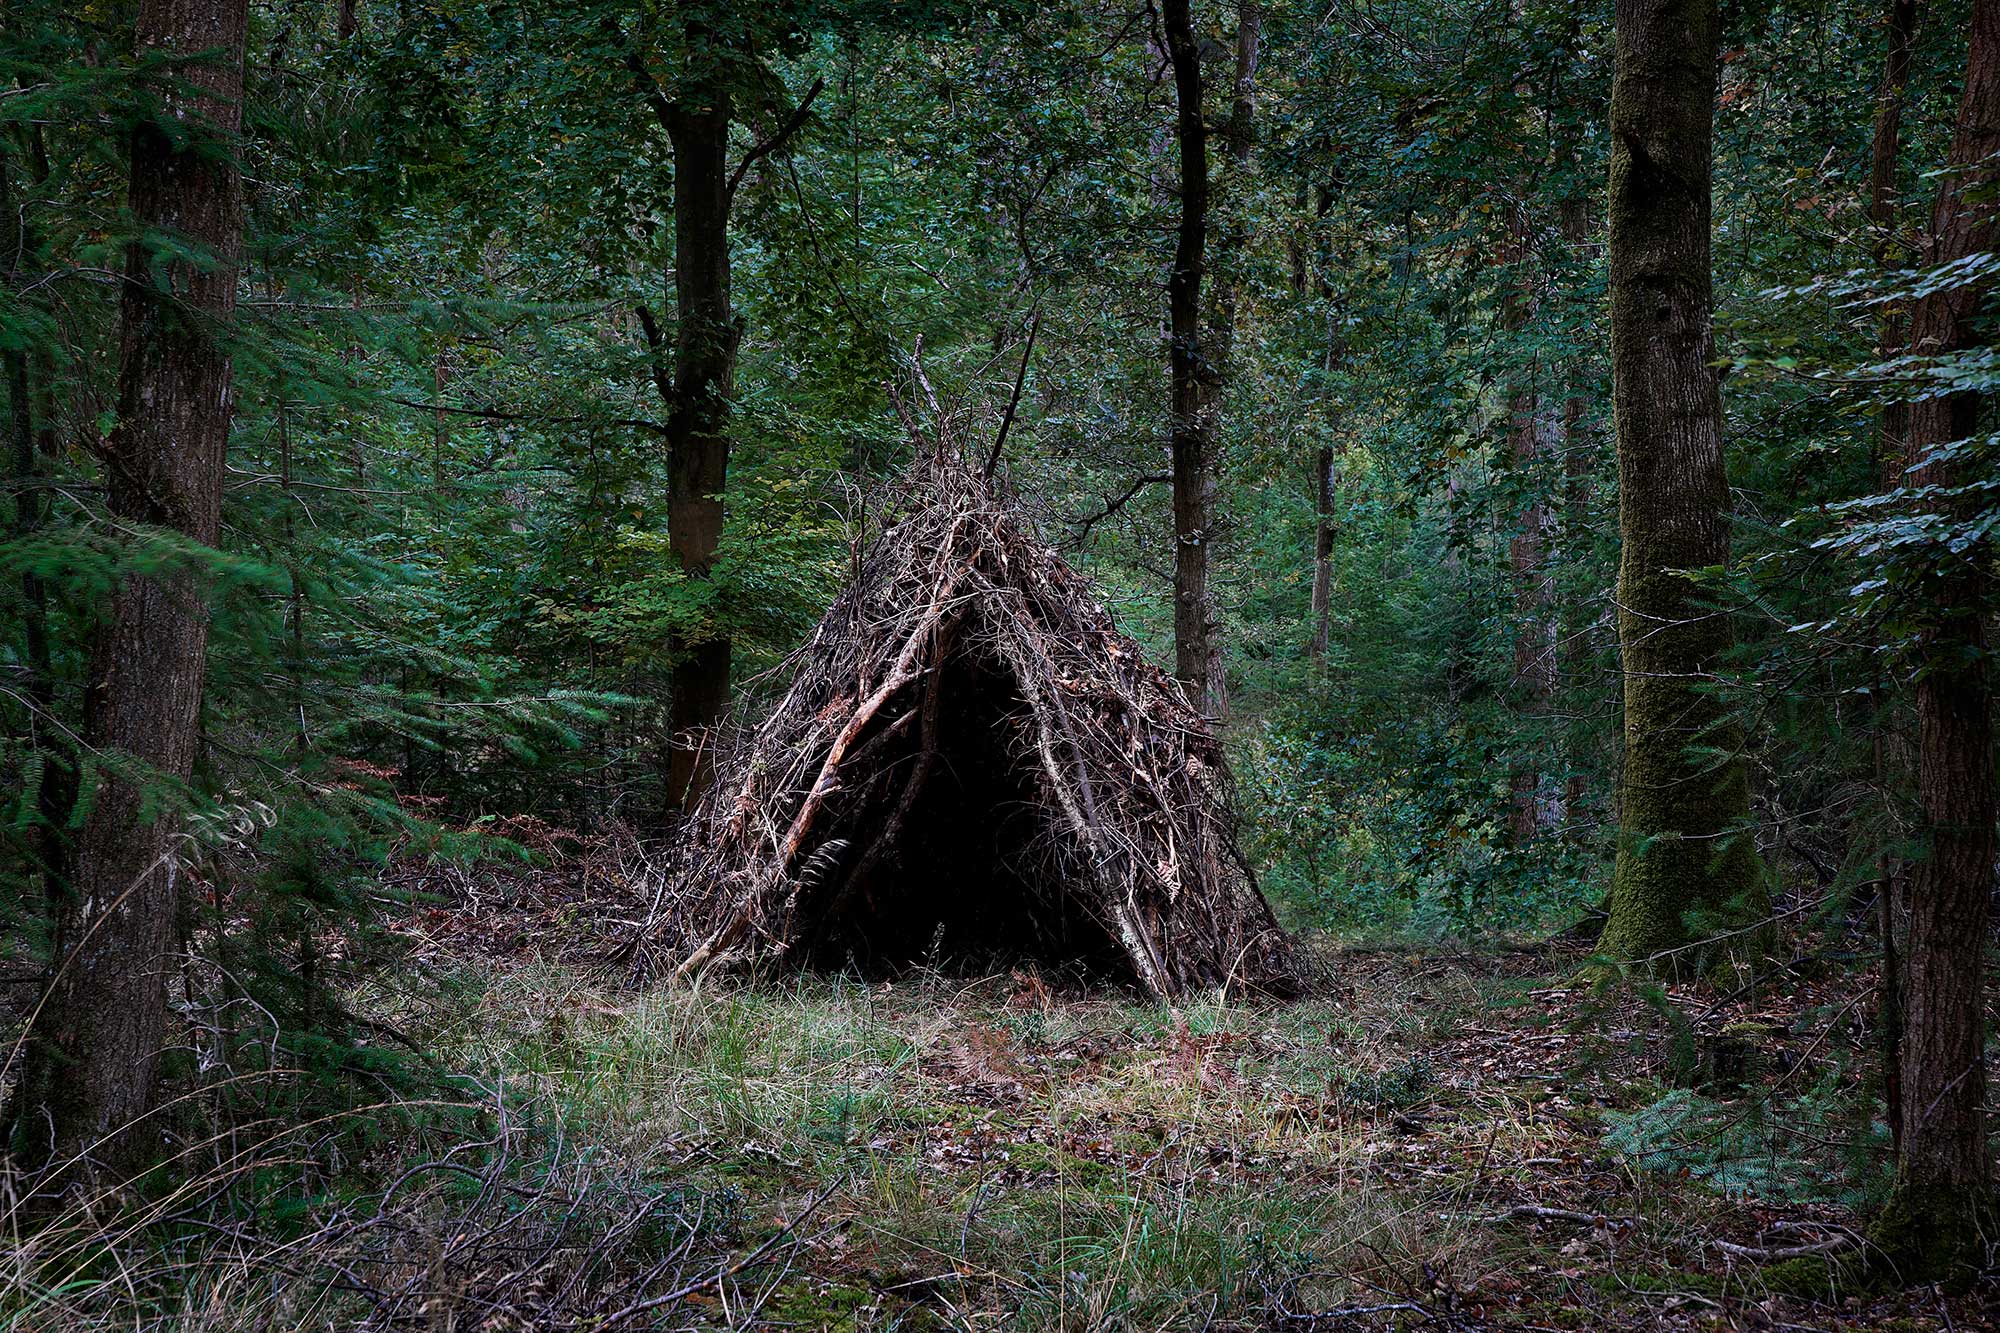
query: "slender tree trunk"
1239, 136
1324, 479
698, 418
1890, 754
1534, 645
1684, 792
1193, 382
1573, 619
92, 1063
34, 447
1326, 473
1534, 641
1888, 140
1943, 1185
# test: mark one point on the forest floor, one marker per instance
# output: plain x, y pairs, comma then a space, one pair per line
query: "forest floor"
1431, 1139
1467, 1141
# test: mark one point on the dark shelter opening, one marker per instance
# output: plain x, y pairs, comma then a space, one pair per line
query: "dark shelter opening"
971, 877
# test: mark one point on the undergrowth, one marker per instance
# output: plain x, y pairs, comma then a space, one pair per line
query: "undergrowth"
976, 1154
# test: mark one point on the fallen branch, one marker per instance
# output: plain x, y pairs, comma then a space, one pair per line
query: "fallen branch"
747, 1261
1536, 1212
1767, 1254
1355, 1311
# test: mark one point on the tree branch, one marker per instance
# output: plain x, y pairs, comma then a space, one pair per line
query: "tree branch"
1111, 506
656, 354
1014, 400
529, 418
649, 88
778, 140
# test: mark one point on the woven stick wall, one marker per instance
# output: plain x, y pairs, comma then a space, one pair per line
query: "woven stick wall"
967, 657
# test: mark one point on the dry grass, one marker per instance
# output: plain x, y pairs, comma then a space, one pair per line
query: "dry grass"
989, 1154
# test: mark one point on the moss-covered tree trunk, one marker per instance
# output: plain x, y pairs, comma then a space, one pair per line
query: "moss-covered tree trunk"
1943, 1182
1683, 793
88, 1083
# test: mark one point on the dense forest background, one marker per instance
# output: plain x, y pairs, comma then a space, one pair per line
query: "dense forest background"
578, 349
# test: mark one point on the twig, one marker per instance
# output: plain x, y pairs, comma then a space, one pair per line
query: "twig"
1086, 522
725, 1274
1846, 1239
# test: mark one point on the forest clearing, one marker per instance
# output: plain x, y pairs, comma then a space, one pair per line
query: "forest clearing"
1208, 665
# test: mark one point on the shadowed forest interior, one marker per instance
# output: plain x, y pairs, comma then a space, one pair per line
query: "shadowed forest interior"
896, 664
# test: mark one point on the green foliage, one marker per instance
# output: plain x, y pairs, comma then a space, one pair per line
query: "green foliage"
1804, 1148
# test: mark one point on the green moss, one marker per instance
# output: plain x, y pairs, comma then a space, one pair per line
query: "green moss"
1078, 1171
1681, 868
1627, 1282
818, 1305
1808, 1278
1685, 866
1931, 1233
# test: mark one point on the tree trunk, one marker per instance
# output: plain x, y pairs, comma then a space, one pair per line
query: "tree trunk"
1239, 135
34, 448
1326, 474
1534, 640
1942, 1183
1888, 140
1322, 595
698, 418
91, 1067
1534, 637
1194, 385
1890, 756
1684, 792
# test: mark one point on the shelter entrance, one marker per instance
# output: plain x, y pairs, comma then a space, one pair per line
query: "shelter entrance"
970, 876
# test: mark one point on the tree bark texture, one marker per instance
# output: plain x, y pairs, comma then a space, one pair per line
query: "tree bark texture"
1942, 1173
1193, 383
1683, 792
698, 417
93, 1061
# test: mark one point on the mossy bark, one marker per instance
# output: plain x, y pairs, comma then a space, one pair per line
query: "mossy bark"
1932, 1233
1684, 790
